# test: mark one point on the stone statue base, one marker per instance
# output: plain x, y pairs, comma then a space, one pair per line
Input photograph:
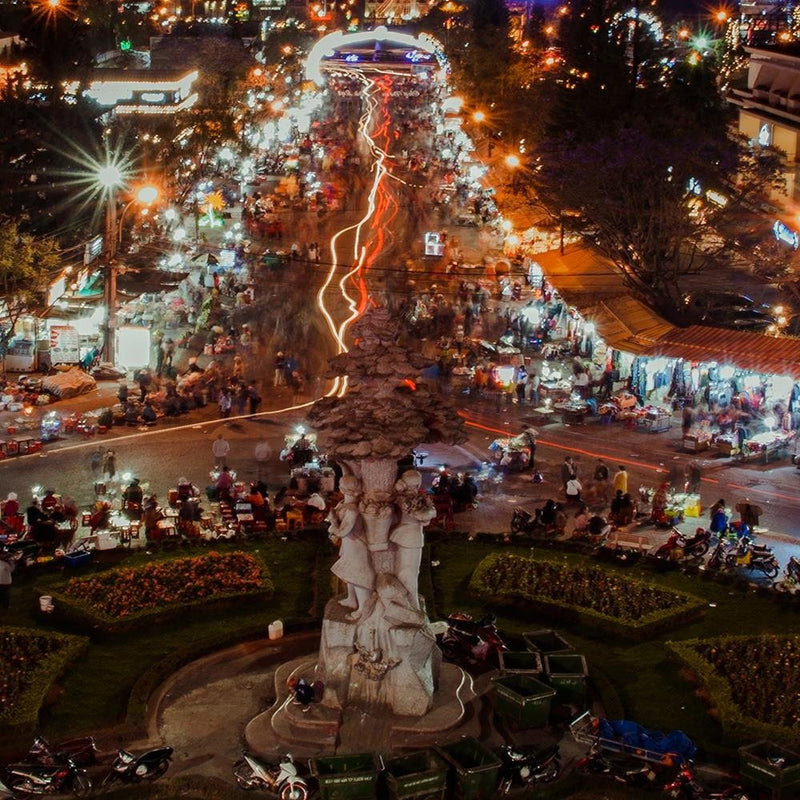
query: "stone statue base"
318, 729
385, 660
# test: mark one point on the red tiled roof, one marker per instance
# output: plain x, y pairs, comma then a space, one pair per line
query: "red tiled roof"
744, 349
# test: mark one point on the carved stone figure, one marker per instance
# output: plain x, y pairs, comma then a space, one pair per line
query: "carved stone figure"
416, 511
378, 651
353, 565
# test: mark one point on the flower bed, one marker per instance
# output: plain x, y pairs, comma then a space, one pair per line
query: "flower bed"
30, 661
588, 595
753, 682
129, 594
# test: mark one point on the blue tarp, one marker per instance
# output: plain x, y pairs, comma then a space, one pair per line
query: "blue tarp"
632, 736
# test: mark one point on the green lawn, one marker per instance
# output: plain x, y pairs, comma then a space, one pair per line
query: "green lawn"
649, 685
95, 693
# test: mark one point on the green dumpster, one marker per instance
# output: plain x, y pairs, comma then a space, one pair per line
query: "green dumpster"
523, 699
421, 775
566, 673
770, 766
347, 777
547, 642
524, 662
473, 769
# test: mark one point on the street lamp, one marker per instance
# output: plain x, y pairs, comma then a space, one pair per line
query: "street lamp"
111, 179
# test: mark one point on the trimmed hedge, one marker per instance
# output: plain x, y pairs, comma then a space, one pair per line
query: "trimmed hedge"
745, 658
586, 595
128, 597
30, 663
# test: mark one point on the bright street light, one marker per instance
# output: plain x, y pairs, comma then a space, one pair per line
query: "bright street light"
110, 176
512, 161
147, 195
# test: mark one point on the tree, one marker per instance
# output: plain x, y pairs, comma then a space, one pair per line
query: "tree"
26, 265
634, 190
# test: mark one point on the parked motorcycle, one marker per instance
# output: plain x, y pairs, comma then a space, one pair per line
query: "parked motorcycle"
82, 751
130, 768
280, 779
473, 641
791, 576
627, 770
753, 557
32, 780
526, 523
686, 785
717, 559
679, 547
524, 766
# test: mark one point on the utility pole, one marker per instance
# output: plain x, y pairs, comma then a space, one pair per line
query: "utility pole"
110, 287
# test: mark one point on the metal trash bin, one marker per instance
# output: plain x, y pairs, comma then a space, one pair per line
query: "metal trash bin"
771, 766
520, 662
473, 769
567, 673
547, 642
346, 777
523, 699
421, 775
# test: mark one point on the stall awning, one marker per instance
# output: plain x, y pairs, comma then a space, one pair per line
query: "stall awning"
626, 323
581, 274
743, 349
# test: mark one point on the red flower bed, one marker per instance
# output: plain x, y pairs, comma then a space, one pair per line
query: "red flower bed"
763, 675
122, 592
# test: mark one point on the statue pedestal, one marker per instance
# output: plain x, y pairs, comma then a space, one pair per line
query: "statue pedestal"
388, 660
287, 727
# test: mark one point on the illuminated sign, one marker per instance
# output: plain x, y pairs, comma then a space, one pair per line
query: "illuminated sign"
785, 234
327, 46
351, 58
717, 198
153, 97
125, 44
92, 249
415, 56
765, 135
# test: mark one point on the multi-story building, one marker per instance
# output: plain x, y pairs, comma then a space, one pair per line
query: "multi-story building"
769, 108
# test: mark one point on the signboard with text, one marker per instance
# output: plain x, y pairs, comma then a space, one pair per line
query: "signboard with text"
65, 345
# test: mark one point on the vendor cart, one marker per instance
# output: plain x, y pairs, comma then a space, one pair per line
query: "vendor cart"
631, 739
19, 446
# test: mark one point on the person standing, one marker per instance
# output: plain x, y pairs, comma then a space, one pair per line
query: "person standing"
621, 480
224, 403
687, 420
220, 449
263, 453
569, 471
144, 380
253, 397
693, 476
241, 399
279, 365
109, 465
7, 565
96, 462
601, 476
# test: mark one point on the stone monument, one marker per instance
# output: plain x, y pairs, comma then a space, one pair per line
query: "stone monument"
377, 649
